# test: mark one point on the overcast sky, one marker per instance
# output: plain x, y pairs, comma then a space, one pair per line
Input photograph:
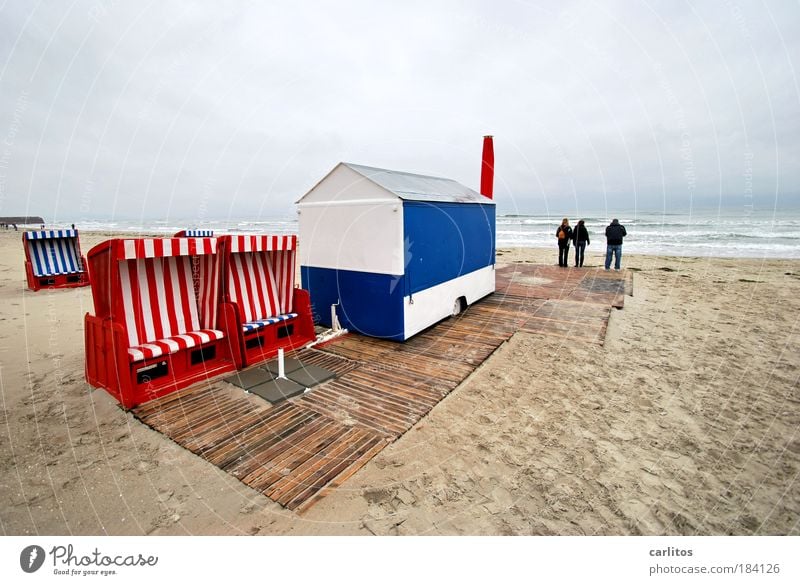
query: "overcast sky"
174, 110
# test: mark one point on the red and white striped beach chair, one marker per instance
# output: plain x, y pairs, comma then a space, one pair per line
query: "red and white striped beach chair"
53, 259
155, 324
195, 234
261, 307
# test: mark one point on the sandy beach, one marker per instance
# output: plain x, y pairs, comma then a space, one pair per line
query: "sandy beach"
686, 421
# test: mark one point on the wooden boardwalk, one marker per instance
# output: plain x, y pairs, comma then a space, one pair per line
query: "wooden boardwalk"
297, 451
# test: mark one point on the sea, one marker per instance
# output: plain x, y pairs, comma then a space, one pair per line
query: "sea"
742, 233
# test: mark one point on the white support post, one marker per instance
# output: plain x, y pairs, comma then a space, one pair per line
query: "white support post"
335, 330
281, 366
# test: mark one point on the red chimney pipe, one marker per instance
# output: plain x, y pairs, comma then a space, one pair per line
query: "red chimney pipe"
487, 167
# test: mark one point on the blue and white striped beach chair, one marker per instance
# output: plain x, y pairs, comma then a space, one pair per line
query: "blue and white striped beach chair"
53, 259
195, 234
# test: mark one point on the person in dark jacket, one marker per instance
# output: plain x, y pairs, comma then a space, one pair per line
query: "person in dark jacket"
580, 235
564, 235
614, 234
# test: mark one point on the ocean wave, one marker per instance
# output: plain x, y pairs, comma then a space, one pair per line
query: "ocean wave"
760, 234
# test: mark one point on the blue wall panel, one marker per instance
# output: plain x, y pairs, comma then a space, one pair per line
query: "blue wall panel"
371, 304
446, 240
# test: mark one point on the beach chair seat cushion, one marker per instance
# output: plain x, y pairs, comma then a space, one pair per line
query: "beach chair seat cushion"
260, 323
173, 344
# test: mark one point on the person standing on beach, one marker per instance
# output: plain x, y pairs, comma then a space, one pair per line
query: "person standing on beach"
580, 235
564, 235
614, 234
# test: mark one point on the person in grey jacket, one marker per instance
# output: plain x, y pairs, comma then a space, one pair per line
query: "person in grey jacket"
614, 234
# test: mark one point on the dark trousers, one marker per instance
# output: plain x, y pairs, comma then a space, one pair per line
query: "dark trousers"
563, 254
580, 248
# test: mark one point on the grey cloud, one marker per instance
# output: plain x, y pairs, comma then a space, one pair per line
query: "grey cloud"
161, 110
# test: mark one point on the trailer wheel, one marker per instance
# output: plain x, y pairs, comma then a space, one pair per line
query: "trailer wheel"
459, 305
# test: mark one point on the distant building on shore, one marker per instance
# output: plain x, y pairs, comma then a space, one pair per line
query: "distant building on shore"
12, 221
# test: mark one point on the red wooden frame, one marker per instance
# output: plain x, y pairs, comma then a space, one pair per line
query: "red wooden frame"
107, 339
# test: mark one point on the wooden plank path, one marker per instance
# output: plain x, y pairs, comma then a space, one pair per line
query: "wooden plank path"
299, 450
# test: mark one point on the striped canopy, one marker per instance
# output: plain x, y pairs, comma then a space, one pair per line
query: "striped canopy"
198, 233
253, 243
165, 247
50, 234
54, 252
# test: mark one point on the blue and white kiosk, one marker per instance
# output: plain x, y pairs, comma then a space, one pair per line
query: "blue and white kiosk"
393, 253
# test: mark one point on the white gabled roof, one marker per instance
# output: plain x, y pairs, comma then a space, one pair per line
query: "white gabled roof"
413, 187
